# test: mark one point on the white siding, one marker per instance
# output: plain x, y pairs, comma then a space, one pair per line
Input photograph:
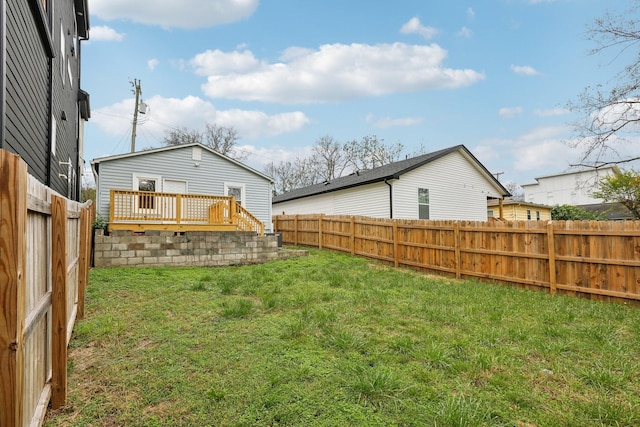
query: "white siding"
367, 200
457, 190
566, 189
208, 177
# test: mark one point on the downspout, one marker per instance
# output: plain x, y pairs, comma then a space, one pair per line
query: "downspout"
386, 181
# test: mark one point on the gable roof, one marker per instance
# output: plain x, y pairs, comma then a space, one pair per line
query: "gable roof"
383, 173
95, 163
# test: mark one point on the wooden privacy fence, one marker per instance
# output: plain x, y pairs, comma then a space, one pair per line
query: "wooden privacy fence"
591, 258
45, 244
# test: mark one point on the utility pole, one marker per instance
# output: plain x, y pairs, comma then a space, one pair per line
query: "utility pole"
497, 174
136, 89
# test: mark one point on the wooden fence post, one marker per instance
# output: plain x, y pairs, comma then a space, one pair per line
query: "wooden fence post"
13, 254
551, 244
295, 230
59, 307
85, 256
353, 235
320, 231
456, 237
395, 244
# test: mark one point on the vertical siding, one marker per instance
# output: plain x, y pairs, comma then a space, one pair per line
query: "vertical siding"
457, 190
27, 102
32, 97
65, 99
207, 178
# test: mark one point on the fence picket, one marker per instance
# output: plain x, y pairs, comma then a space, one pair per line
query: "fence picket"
593, 259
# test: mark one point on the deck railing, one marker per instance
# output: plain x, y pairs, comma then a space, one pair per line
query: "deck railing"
143, 210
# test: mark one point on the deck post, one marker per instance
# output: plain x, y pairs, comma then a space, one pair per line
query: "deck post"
232, 211
178, 208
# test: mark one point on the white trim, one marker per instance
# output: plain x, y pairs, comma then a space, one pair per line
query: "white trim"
136, 177
243, 191
186, 184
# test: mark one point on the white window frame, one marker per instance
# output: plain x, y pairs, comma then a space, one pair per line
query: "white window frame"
136, 187
428, 204
243, 191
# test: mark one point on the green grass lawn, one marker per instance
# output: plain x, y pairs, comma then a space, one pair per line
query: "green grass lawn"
334, 340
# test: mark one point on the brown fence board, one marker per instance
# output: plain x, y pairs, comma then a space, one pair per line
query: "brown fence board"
590, 258
27, 292
13, 253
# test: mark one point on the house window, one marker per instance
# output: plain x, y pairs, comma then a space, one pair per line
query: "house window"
146, 201
528, 213
538, 215
490, 213
423, 203
235, 190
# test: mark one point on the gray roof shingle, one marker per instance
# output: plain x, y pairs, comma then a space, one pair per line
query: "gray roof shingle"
382, 173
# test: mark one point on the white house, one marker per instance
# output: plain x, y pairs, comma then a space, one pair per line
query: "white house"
183, 169
446, 184
569, 188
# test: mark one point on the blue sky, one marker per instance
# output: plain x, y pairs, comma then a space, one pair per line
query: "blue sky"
494, 75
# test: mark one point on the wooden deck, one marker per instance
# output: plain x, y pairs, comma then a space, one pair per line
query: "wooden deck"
143, 210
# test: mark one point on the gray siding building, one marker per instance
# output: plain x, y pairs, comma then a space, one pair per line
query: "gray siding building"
42, 108
184, 169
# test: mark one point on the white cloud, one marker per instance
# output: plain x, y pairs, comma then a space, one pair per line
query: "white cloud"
175, 13
471, 14
216, 62
152, 63
259, 157
524, 70
413, 26
465, 32
552, 112
105, 33
509, 112
192, 112
331, 73
538, 152
543, 149
387, 122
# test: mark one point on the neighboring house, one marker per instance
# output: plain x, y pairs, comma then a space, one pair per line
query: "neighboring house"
570, 188
514, 210
446, 184
42, 108
183, 169
610, 211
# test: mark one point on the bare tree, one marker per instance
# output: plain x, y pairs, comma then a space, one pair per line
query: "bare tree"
610, 115
290, 176
516, 191
329, 158
219, 138
224, 141
182, 135
371, 152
